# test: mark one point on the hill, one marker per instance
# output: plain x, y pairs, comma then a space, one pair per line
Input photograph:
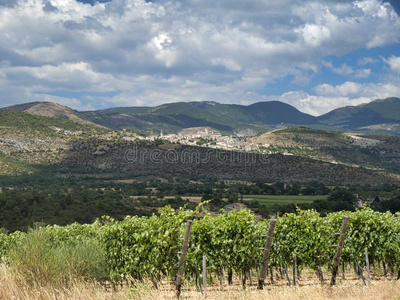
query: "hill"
28, 140
29, 143
50, 109
132, 160
354, 149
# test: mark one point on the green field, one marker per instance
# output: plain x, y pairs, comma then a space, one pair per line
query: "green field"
269, 200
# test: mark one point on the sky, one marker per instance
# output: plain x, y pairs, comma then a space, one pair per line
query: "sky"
314, 55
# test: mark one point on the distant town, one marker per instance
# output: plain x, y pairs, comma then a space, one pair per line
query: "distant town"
207, 137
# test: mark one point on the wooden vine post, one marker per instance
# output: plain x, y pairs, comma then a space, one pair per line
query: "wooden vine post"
181, 267
204, 274
267, 251
294, 269
339, 250
287, 274
367, 266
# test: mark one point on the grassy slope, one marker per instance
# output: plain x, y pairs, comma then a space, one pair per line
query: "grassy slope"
325, 145
22, 120
12, 166
39, 138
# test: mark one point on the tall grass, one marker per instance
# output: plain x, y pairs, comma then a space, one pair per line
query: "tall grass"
41, 262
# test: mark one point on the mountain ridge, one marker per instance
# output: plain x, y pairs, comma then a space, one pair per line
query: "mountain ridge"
381, 116
380, 111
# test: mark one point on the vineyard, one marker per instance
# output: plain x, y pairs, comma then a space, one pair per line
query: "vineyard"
149, 248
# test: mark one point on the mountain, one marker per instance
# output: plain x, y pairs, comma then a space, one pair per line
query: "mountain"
228, 118
386, 111
50, 109
275, 112
377, 117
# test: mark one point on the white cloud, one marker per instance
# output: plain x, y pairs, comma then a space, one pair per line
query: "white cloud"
394, 64
367, 60
346, 89
314, 35
362, 73
154, 52
346, 70
329, 97
353, 89
316, 104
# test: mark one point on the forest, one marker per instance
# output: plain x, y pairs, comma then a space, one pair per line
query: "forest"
27, 200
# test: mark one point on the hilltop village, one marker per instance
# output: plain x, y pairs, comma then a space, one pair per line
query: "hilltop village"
207, 137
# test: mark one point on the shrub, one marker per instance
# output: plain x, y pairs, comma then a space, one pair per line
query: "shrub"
43, 262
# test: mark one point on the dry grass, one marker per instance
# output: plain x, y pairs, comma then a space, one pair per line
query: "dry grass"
348, 290
15, 287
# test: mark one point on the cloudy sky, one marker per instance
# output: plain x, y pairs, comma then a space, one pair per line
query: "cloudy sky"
315, 55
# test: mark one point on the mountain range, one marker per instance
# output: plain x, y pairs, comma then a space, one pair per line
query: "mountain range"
376, 117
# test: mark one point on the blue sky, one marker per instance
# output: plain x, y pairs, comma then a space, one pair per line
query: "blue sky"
353, 60
314, 55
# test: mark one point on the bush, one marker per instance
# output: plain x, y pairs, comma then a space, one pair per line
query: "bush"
43, 262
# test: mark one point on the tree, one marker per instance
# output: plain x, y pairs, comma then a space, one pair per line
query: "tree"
342, 195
